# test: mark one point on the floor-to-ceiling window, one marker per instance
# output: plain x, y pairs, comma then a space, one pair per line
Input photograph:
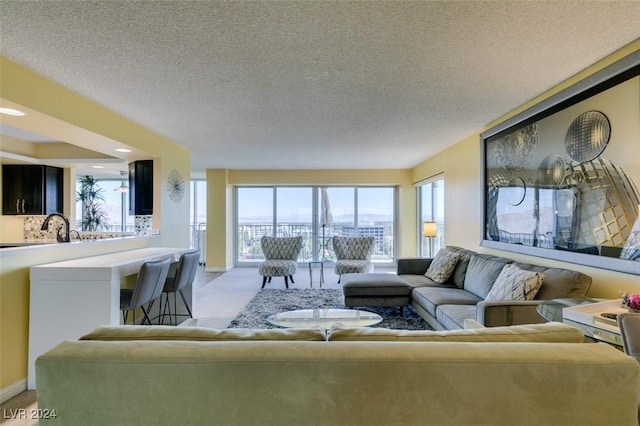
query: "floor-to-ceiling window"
376, 207
198, 216
431, 216
337, 216
294, 215
254, 218
317, 214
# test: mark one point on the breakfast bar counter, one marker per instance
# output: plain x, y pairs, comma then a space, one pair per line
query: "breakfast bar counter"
70, 298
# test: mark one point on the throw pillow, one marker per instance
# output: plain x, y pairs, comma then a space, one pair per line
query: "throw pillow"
514, 283
482, 272
443, 265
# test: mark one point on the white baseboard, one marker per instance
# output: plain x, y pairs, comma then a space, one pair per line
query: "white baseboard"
218, 269
13, 390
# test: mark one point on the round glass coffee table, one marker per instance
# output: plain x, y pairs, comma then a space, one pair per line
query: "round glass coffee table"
324, 317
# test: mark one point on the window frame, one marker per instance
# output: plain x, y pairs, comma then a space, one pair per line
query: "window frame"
315, 224
436, 206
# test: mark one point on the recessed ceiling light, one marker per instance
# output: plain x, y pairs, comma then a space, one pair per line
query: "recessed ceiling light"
11, 111
97, 167
123, 150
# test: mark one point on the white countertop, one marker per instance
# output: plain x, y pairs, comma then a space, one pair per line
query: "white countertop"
103, 266
28, 246
12, 244
30, 241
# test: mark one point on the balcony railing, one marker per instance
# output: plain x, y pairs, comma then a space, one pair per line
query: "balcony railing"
114, 227
249, 235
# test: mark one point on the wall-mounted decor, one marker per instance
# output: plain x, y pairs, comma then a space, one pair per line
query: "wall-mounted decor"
561, 179
175, 186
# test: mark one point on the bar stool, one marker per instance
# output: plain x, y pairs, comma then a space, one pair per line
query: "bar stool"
184, 276
148, 288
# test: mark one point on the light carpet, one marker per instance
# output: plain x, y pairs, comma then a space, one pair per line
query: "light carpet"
270, 301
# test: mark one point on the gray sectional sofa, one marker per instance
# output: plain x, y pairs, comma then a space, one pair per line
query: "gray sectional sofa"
445, 306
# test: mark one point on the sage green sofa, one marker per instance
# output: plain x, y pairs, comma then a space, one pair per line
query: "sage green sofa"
160, 375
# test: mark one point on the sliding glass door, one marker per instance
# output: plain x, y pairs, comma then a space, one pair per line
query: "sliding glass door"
336, 216
431, 214
294, 215
376, 219
254, 218
317, 213
198, 215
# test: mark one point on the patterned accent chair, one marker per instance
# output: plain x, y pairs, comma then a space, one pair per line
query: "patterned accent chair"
353, 254
281, 254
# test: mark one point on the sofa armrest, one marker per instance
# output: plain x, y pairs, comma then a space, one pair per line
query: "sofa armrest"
469, 324
496, 313
413, 266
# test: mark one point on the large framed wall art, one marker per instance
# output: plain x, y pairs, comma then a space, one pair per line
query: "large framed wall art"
561, 179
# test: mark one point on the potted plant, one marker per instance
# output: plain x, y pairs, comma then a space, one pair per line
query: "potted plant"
92, 196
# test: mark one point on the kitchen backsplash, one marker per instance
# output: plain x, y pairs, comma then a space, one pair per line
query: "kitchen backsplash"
32, 231
143, 224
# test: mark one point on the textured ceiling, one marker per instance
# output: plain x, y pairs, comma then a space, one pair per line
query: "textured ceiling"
313, 84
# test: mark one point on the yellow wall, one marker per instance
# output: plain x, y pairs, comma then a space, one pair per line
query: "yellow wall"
219, 254
318, 177
461, 165
71, 117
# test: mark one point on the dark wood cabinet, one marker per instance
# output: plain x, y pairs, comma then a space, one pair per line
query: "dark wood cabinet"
141, 187
31, 189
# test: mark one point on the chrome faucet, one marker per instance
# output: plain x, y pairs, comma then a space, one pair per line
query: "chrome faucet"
61, 238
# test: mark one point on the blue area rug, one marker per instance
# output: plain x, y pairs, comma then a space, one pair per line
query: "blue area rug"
271, 301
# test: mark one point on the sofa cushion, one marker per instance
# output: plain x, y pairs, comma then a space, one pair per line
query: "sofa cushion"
351, 266
551, 332
431, 297
460, 271
443, 265
452, 316
482, 272
277, 268
166, 332
374, 285
414, 281
514, 283
559, 283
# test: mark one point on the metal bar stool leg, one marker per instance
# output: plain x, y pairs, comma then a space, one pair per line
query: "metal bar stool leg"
175, 307
167, 306
184, 299
164, 308
146, 315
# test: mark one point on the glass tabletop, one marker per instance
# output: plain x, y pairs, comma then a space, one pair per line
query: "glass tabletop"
324, 317
595, 328
551, 310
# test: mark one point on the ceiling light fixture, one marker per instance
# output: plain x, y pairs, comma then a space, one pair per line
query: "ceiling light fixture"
123, 150
123, 187
11, 111
97, 167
